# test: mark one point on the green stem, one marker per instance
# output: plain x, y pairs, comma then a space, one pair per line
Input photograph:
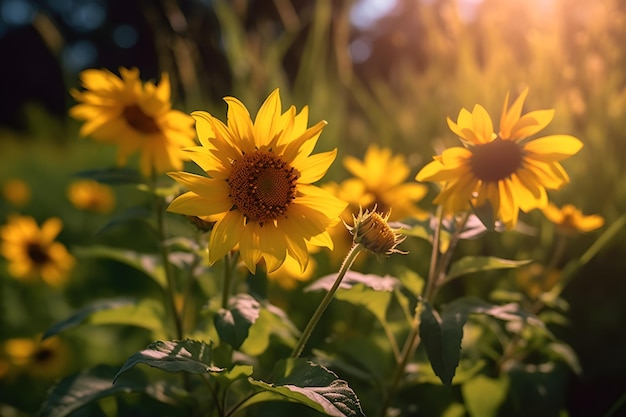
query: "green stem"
229, 262
434, 256
436, 278
170, 290
345, 267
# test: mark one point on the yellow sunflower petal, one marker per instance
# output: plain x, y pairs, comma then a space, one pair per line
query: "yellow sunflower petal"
482, 124
315, 167
267, 119
273, 246
510, 116
192, 204
226, 233
530, 123
553, 147
239, 122
204, 127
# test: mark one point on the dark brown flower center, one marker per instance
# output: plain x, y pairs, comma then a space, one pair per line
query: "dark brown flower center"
38, 255
262, 186
140, 121
497, 160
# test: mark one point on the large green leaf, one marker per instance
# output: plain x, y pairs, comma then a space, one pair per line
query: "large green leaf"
272, 323
470, 264
76, 391
174, 356
442, 335
146, 263
374, 301
233, 324
312, 385
147, 314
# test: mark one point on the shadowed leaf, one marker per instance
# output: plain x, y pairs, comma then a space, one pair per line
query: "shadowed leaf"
233, 324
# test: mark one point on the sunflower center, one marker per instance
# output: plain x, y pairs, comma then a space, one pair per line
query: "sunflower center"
262, 186
495, 161
140, 121
37, 254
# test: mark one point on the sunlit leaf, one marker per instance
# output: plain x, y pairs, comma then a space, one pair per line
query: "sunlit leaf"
374, 301
189, 356
146, 263
483, 396
271, 323
146, 313
312, 385
375, 282
412, 281
233, 324
470, 264
76, 391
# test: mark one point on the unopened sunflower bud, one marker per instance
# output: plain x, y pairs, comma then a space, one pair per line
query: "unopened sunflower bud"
373, 232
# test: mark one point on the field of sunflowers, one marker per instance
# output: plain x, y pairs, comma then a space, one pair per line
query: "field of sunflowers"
350, 208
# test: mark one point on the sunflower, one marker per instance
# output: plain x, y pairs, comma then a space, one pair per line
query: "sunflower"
380, 180
509, 170
569, 220
135, 116
44, 359
91, 195
33, 252
259, 189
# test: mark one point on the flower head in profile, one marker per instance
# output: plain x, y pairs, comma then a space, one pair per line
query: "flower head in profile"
380, 180
259, 186
33, 253
507, 170
570, 220
135, 116
91, 195
371, 230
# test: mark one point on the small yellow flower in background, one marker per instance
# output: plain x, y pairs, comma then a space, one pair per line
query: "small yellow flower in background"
536, 279
91, 195
380, 180
507, 170
136, 117
45, 359
371, 230
16, 192
259, 189
33, 253
570, 220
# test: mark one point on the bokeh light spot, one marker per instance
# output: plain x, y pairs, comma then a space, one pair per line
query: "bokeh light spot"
125, 36
17, 12
79, 55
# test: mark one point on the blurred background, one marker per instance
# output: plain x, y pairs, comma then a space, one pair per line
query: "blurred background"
379, 71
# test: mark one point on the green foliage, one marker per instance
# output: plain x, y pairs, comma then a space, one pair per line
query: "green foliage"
312, 385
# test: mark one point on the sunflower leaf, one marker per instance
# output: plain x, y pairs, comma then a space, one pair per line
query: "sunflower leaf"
233, 324
146, 263
442, 334
310, 384
173, 356
147, 314
78, 390
352, 278
470, 264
